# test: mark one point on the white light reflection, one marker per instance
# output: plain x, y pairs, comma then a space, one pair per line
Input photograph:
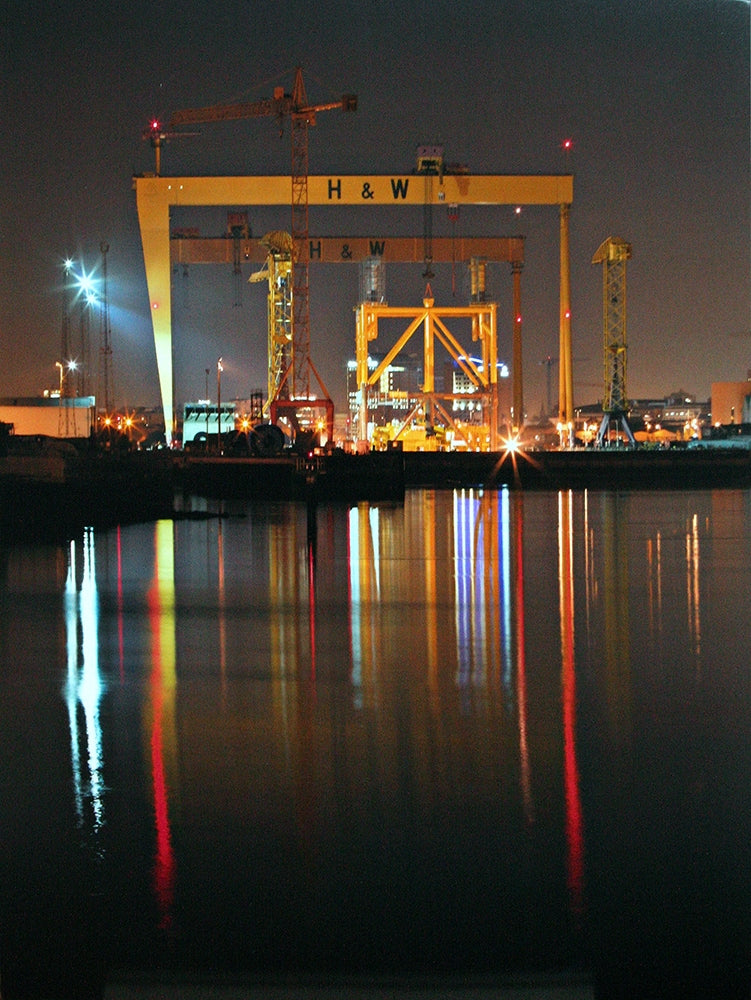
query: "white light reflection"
83, 686
483, 610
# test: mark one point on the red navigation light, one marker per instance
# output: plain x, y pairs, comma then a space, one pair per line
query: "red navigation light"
155, 125
567, 144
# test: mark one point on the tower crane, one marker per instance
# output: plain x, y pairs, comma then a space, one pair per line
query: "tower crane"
293, 383
157, 137
613, 254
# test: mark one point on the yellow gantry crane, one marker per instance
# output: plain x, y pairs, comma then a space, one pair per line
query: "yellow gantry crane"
613, 254
293, 384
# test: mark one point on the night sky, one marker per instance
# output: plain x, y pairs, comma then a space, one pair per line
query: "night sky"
654, 95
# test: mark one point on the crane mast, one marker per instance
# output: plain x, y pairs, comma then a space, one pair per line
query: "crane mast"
294, 382
613, 254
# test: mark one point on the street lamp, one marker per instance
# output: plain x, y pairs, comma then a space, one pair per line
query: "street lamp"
206, 406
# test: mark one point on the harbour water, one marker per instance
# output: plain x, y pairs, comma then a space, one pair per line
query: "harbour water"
472, 738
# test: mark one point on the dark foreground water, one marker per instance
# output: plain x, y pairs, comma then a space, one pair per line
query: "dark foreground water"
467, 738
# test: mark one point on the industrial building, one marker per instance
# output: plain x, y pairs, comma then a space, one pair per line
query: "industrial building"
731, 402
50, 415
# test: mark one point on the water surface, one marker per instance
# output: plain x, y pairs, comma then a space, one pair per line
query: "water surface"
471, 735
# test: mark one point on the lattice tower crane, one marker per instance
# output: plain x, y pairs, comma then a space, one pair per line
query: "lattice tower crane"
613, 254
278, 274
294, 382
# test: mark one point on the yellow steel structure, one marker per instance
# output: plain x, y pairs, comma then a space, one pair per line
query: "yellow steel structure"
276, 248
565, 370
155, 196
278, 274
613, 254
431, 321
187, 250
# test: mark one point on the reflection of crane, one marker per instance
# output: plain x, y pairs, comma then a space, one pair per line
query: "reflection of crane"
613, 254
295, 382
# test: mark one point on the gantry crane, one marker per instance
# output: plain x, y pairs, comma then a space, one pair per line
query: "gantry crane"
613, 254
294, 382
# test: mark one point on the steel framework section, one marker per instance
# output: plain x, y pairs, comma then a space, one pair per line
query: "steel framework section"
156, 195
278, 274
432, 321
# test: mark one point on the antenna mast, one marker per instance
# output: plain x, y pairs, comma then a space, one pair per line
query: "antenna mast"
106, 340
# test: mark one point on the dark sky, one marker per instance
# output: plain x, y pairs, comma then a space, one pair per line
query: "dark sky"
653, 93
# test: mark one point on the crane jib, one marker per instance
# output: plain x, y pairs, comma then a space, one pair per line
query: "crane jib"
257, 109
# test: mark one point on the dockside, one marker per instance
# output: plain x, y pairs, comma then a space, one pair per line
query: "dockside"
58, 491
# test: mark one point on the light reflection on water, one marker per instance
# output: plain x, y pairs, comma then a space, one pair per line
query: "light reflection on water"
402, 738
83, 688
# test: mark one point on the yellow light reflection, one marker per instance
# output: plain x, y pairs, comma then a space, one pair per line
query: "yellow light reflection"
364, 587
693, 592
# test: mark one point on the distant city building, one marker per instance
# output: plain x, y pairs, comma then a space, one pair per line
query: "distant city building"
471, 410
395, 394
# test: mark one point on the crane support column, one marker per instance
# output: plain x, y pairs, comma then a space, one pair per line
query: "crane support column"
153, 221
565, 371
516, 348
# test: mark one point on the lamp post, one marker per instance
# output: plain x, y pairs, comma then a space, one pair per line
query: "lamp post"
219, 370
62, 415
206, 407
